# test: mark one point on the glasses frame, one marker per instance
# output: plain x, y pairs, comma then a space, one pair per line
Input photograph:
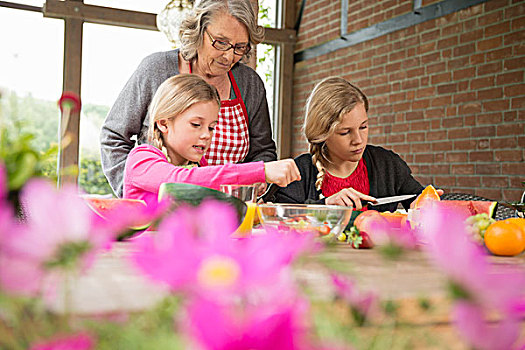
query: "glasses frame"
234, 47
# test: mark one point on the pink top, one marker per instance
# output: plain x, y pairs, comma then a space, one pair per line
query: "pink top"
147, 168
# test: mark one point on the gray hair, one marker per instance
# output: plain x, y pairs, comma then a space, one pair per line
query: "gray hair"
191, 32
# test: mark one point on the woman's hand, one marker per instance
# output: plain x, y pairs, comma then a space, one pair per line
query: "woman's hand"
281, 172
348, 197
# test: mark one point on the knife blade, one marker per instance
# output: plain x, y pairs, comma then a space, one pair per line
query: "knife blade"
386, 200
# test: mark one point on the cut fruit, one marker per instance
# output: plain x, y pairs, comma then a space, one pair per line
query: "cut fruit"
428, 195
104, 207
469, 208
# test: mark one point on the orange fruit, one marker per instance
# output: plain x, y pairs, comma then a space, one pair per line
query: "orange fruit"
396, 220
429, 194
505, 238
517, 221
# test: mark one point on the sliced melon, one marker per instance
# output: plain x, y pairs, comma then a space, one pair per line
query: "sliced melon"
469, 208
104, 206
193, 195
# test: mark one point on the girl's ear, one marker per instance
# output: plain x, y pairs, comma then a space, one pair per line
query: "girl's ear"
162, 124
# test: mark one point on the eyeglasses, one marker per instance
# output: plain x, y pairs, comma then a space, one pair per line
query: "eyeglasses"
238, 49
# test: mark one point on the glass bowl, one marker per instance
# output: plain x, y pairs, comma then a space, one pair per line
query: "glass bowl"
323, 219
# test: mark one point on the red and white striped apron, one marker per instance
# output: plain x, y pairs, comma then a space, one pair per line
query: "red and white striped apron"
231, 140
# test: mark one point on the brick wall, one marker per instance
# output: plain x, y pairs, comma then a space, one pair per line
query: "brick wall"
448, 94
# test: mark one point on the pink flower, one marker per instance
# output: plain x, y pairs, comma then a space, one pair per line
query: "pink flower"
60, 232
360, 302
479, 286
276, 325
80, 341
194, 254
470, 320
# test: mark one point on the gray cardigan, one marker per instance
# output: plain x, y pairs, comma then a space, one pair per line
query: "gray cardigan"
128, 116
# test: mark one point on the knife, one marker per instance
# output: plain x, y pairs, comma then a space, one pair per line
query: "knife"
386, 200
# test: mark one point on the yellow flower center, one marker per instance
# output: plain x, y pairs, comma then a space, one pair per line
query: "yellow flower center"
218, 272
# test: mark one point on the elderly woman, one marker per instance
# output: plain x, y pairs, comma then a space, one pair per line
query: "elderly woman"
214, 38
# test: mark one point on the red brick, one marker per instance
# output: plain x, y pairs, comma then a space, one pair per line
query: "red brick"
499, 54
509, 156
493, 194
427, 47
464, 145
416, 115
495, 181
466, 49
496, 105
441, 101
470, 120
434, 113
453, 122
512, 195
440, 78
410, 84
481, 156
490, 94
448, 42
470, 108
509, 78
441, 147
439, 158
440, 169
466, 73
510, 129
489, 18
461, 133
401, 107
488, 169
426, 92
496, 29
436, 135
489, 68
477, 58
444, 181
489, 44
472, 35
416, 137
513, 168
430, 36
447, 88
463, 169
393, 138
485, 131
516, 181
424, 158
514, 90
456, 157
514, 38
483, 144
404, 148
489, 118
468, 181
518, 103
481, 83
464, 97
506, 142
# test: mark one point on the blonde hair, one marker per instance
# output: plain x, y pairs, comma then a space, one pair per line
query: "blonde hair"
331, 98
191, 32
173, 97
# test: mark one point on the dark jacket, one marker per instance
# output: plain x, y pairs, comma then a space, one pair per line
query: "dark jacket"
388, 174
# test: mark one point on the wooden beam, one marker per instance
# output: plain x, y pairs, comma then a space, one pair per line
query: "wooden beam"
100, 14
286, 66
275, 36
68, 157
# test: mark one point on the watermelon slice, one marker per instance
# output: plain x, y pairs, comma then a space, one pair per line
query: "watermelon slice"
469, 208
104, 206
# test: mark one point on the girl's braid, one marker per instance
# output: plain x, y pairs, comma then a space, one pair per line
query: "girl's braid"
317, 156
158, 142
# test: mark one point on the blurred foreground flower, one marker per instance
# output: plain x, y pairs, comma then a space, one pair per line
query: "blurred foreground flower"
59, 234
479, 287
80, 341
267, 326
361, 303
199, 256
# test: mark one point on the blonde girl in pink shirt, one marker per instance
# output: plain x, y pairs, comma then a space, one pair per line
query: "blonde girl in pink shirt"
182, 116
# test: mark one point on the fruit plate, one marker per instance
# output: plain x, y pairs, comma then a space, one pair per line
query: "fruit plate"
323, 219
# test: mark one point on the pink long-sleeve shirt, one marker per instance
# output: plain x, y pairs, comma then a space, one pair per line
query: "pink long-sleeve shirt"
147, 168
